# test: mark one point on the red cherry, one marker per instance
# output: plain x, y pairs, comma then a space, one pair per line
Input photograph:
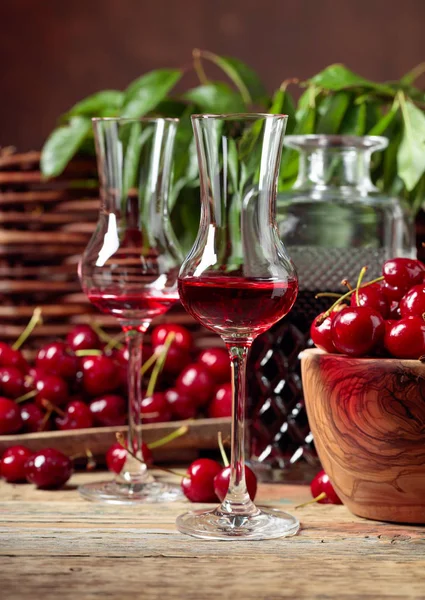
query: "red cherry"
48, 468
392, 293
195, 381
413, 302
83, 337
77, 416
57, 359
198, 484
356, 331
406, 338
322, 334
109, 410
403, 273
51, 388
373, 297
12, 463
116, 455
12, 358
221, 483
177, 358
11, 382
100, 375
217, 362
33, 418
221, 404
10, 416
155, 409
181, 406
321, 483
394, 313
182, 339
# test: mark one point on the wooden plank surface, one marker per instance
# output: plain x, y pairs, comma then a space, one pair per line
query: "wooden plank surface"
54, 545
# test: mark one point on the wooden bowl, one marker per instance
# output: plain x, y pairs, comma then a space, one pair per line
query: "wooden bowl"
367, 416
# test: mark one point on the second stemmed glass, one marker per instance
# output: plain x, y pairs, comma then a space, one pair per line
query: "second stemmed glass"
129, 269
238, 280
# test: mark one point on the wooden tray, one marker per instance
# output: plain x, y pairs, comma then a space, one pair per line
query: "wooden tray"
201, 435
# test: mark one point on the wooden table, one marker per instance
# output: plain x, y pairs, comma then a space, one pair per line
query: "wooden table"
54, 545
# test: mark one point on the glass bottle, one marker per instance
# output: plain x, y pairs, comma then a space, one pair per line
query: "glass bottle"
333, 222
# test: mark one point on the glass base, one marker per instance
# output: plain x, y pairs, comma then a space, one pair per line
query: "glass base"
111, 492
263, 525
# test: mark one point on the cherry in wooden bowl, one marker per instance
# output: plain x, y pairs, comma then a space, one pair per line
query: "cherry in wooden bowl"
367, 416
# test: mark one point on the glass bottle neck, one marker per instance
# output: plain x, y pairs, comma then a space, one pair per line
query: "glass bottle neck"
329, 168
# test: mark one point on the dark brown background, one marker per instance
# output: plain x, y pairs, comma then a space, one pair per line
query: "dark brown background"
53, 52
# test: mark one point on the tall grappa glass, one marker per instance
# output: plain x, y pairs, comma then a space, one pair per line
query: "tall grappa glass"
238, 280
129, 268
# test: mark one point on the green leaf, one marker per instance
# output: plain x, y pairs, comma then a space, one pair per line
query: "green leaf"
413, 74
283, 104
233, 164
337, 77
384, 122
411, 153
354, 122
96, 104
331, 112
144, 94
62, 145
132, 159
245, 79
216, 98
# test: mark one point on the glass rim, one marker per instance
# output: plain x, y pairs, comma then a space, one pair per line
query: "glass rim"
135, 119
317, 141
236, 116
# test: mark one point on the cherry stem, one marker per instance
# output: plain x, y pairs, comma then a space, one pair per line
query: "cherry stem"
347, 284
115, 342
359, 282
328, 295
222, 450
52, 407
147, 365
45, 419
169, 438
35, 320
321, 496
26, 396
89, 352
159, 364
104, 336
343, 297
88, 454
121, 440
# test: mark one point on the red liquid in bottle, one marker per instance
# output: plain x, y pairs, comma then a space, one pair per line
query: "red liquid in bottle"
133, 306
235, 306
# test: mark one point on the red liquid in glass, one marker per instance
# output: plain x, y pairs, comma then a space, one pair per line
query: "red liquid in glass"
236, 306
133, 306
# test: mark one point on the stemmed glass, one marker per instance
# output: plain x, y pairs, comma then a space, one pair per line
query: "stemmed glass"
129, 269
238, 281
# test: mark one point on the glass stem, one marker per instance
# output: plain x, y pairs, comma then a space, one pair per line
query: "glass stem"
237, 499
134, 471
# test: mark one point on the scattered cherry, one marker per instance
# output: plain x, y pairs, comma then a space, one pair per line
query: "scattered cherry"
48, 468
57, 359
196, 382
10, 416
403, 273
77, 416
83, 337
155, 409
12, 463
406, 338
356, 331
321, 483
12, 358
99, 375
109, 410
198, 484
221, 403
51, 388
181, 406
182, 336
413, 302
176, 359
11, 382
217, 362
222, 479
321, 334
116, 455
